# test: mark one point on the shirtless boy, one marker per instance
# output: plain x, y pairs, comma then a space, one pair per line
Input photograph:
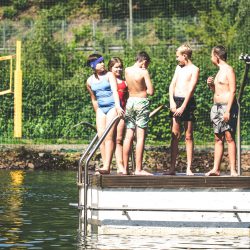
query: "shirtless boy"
137, 110
224, 112
182, 105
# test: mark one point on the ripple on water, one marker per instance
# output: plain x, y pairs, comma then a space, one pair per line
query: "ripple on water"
170, 242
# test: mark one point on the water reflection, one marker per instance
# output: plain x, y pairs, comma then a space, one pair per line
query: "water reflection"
35, 211
35, 214
12, 206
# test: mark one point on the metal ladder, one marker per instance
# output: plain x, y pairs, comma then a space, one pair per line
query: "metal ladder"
88, 154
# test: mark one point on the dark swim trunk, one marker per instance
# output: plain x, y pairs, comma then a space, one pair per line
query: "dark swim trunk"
217, 119
188, 114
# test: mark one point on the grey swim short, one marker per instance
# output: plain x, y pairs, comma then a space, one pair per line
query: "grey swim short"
216, 116
137, 112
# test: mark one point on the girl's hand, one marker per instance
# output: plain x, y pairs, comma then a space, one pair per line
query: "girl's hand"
120, 111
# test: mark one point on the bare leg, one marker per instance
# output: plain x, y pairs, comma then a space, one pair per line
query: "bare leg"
101, 125
126, 148
189, 145
109, 143
231, 152
218, 152
140, 142
175, 128
119, 145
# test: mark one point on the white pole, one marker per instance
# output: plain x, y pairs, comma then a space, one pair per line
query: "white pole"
130, 23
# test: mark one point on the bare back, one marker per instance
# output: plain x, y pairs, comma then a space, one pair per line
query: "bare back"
185, 80
223, 83
138, 81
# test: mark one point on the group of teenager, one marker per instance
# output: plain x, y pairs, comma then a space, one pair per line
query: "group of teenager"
127, 97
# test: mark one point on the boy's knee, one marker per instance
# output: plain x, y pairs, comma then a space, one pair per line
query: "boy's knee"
119, 141
189, 137
176, 135
230, 140
218, 140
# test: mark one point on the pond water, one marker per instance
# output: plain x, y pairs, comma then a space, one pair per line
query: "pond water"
35, 214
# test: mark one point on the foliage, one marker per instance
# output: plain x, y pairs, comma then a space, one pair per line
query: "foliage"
20, 4
55, 98
9, 12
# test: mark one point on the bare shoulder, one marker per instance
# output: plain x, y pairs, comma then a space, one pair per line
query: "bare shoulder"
89, 80
230, 69
109, 74
195, 68
128, 68
178, 68
144, 72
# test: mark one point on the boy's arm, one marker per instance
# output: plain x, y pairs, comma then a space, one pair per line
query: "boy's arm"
171, 91
148, 82
192, 85
113, 84
92, 96
232, 90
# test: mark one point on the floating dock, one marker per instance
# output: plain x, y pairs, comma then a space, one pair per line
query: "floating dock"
159, 205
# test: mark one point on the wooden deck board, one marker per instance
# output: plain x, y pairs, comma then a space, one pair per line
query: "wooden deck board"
177, 181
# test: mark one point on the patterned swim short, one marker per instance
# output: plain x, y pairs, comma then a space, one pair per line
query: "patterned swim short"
137, 112
216, 116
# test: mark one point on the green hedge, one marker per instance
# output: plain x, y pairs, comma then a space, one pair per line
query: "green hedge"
55, 98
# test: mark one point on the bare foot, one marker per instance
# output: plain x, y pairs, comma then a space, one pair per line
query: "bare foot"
234, 173
142, 172
103, 171
122, 171
213, 173
189, 172
170, 172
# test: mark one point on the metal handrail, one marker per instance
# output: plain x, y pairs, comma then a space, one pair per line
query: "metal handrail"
90, 155
84, 155
86, 184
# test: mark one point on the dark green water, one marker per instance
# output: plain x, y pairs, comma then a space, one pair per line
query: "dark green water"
35, 211
35, 214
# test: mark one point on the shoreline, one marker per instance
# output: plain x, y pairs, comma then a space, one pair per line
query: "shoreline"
66, 157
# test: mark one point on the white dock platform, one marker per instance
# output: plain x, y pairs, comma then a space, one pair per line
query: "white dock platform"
160, 205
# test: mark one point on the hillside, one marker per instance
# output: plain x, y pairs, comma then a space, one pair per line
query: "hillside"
30, 10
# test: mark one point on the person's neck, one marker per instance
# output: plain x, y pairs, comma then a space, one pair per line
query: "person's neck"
187, 63
138, 65
222, 63
101, 73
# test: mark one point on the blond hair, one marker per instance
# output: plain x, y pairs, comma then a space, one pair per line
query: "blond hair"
185, 49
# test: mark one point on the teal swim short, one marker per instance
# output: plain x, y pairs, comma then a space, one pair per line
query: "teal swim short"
137, 112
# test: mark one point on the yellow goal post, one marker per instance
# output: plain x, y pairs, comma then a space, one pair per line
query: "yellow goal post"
17, 88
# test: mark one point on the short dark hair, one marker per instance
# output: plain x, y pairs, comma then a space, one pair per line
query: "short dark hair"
220, 51
143, 56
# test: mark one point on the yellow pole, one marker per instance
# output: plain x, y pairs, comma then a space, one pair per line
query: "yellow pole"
18, 93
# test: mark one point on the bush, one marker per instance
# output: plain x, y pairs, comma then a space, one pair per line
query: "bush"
9, 12
20, 4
